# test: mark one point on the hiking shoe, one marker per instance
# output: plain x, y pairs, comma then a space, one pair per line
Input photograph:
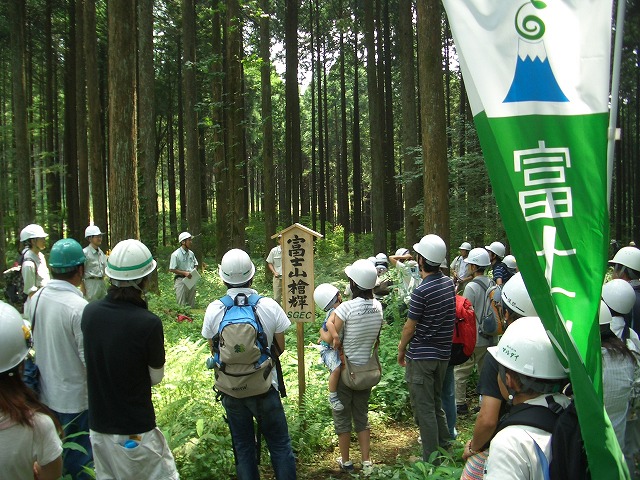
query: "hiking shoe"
462, 409
336, 404
345, 466
367, 468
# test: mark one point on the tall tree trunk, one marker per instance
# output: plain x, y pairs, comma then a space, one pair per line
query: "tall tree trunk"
17, 18
292, 111
235, 129
322, 186
54, 199
81, 122
357, 162
123, 171
269, 207
409, 130
181, 160
146, 125
74, 224
375, 137
192, 160
343, 188
434, 135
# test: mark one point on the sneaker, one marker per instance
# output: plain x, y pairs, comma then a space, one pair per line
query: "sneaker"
367, 468
336, 404
346, 466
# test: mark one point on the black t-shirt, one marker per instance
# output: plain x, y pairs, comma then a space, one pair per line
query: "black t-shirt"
121, 341
488, 384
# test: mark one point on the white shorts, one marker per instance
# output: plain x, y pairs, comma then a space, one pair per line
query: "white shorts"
151, 459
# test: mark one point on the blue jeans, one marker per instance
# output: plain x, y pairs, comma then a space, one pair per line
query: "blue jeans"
449, 401
74, 460
268, 412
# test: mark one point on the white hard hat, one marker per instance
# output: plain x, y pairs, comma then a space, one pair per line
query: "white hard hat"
510, 262
381, 259
629, 257
432, 248
604, 315
525, 348
236, 268
619, 295
183, 236
515, 296
363, 274
129, 260
92, 230
32, 231
464, 246
14, 338
372, 260
497, 248
478, 256
325, 295
401, 252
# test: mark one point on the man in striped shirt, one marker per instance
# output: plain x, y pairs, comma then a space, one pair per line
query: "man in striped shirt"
425, 345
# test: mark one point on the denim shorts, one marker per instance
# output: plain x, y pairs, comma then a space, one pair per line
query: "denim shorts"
330, 357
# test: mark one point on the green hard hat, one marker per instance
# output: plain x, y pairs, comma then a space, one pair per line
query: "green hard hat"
66, 254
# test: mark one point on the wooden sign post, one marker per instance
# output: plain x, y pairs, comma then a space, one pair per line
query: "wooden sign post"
297, 285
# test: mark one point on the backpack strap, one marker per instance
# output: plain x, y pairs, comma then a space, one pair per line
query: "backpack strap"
536, 416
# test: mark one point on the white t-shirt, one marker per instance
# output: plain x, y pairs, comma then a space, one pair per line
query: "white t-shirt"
20, 446
271, 315
362, 323
58, 342
275, 259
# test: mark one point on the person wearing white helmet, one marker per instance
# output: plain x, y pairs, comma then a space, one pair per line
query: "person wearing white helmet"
626, 266
327, 297
425, 344
274, 262
498, 268
182, 264
530, 375
95, 287
357, 330
125, 356
409, 273
384, 281
236, 270
477, 262
620, 297
35, 273
29, 440
515, 303
55, 312
458, 268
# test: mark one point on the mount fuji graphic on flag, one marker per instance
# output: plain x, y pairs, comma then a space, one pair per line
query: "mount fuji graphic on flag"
534, 80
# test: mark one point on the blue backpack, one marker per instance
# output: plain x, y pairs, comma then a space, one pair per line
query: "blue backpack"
242, 357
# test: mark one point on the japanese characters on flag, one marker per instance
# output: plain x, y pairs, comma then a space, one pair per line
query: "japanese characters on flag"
537, 77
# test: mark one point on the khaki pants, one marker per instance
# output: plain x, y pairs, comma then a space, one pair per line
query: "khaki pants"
277, 289
463, 372
184, 296
94, 289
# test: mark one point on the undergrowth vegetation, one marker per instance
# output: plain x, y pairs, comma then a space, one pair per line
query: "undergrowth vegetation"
193, 420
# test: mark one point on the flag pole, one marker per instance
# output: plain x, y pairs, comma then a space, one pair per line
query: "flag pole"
615, 88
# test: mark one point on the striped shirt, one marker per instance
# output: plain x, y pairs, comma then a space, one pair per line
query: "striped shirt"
433, 306
362, 323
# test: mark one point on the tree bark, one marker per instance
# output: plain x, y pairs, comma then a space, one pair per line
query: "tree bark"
81, 123
434, 137
123, 171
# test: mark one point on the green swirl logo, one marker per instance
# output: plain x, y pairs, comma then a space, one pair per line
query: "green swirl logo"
529, 26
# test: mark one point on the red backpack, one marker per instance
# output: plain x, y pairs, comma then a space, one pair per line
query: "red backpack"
464, 332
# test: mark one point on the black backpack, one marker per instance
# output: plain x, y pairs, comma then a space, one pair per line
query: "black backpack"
14, 284
568, 456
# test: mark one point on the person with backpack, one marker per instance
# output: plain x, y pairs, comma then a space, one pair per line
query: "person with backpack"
95, 287
357, 333
626, 266
515, 303
247, 382
425, 345
498, 268
459, 268
531, 378
55, 312
35, 273
409, 273
124, 353
476, 291
30, 445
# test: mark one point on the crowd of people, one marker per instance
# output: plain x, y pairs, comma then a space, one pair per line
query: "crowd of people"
82, 359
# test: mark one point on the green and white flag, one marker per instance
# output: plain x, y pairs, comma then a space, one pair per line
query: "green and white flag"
537, 77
